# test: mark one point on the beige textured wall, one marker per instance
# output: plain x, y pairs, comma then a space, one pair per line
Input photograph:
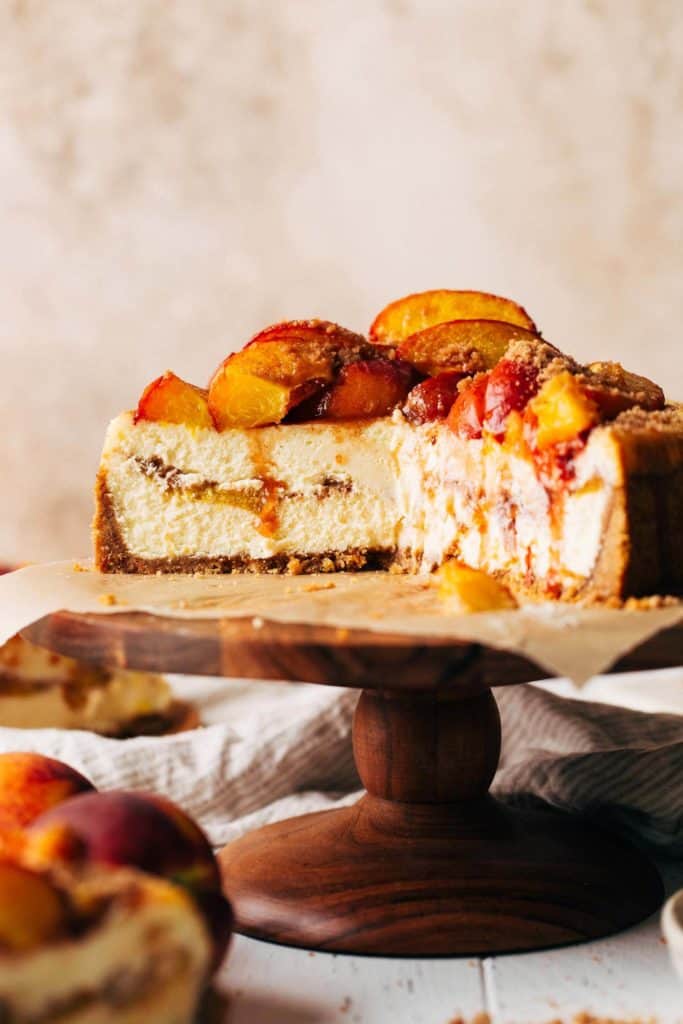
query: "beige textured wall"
176, 173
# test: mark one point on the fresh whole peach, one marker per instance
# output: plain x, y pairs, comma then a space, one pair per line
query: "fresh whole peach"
31, 784
143, 831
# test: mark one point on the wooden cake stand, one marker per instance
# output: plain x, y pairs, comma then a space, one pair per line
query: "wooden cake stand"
426, 863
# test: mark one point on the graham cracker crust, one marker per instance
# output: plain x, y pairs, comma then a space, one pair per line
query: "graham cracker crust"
112, 555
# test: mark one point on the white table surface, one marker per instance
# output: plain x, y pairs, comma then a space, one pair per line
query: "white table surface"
628, 977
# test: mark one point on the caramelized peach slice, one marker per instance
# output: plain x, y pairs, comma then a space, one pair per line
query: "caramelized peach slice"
467, 413
511, 385
465, 345
561, 411
32, 910
278, 369
372, 387
615, 389
416, 312
243, 400
432, 398
471, 590
172, 400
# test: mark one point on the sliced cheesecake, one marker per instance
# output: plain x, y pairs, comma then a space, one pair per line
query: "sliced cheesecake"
116, 947
456, 431
40, 689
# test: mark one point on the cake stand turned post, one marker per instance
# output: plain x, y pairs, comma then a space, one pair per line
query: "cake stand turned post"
426, 862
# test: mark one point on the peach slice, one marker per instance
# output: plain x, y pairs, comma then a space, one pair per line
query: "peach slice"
33, 911
31, 784
511, 385
615, 389
466, 345
471, 590
243, 400
561, 411
372, 387
467, 413
172, 400
432, 398
426, 309
278, 369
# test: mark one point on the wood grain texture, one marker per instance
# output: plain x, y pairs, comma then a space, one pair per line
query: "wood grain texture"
427, 863
421, 748
471, 880
254, 649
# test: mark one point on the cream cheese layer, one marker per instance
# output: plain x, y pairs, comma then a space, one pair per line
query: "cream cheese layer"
421, 492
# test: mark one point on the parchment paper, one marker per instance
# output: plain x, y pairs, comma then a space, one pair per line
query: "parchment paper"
565, 640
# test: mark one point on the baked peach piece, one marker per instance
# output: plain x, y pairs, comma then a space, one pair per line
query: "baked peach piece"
31, 784
433, 398
466, 345
372, 387
406, 316
278, 369
33, 911
172, 400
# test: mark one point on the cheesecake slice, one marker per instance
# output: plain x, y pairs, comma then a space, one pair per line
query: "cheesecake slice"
116, 947
41, 690
455, 431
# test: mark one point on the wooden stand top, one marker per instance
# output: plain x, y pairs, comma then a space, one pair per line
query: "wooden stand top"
256, 649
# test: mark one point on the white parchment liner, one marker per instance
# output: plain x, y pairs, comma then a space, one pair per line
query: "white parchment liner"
565, 640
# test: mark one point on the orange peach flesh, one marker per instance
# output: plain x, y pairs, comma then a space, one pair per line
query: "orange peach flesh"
172, 400
416, 312
32, 910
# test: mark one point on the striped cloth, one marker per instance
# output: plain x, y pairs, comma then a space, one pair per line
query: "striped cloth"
273, 751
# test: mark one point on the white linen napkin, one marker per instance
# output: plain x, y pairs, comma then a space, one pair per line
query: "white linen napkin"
272, 750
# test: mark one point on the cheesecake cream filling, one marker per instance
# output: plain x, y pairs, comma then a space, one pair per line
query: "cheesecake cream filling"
43, 690
105, 708
383, 484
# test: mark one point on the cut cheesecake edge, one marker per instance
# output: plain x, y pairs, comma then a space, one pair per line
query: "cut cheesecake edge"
40, 689
385, 494
144, 959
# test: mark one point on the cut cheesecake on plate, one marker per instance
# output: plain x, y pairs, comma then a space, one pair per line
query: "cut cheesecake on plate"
40, 690
454, 431
115, 947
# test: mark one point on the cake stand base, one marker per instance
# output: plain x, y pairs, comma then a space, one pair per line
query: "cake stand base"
419, 881
427, 863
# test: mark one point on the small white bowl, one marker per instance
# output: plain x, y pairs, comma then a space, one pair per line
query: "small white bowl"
672, 926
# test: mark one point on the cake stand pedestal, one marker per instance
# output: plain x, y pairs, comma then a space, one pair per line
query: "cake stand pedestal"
426, 863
